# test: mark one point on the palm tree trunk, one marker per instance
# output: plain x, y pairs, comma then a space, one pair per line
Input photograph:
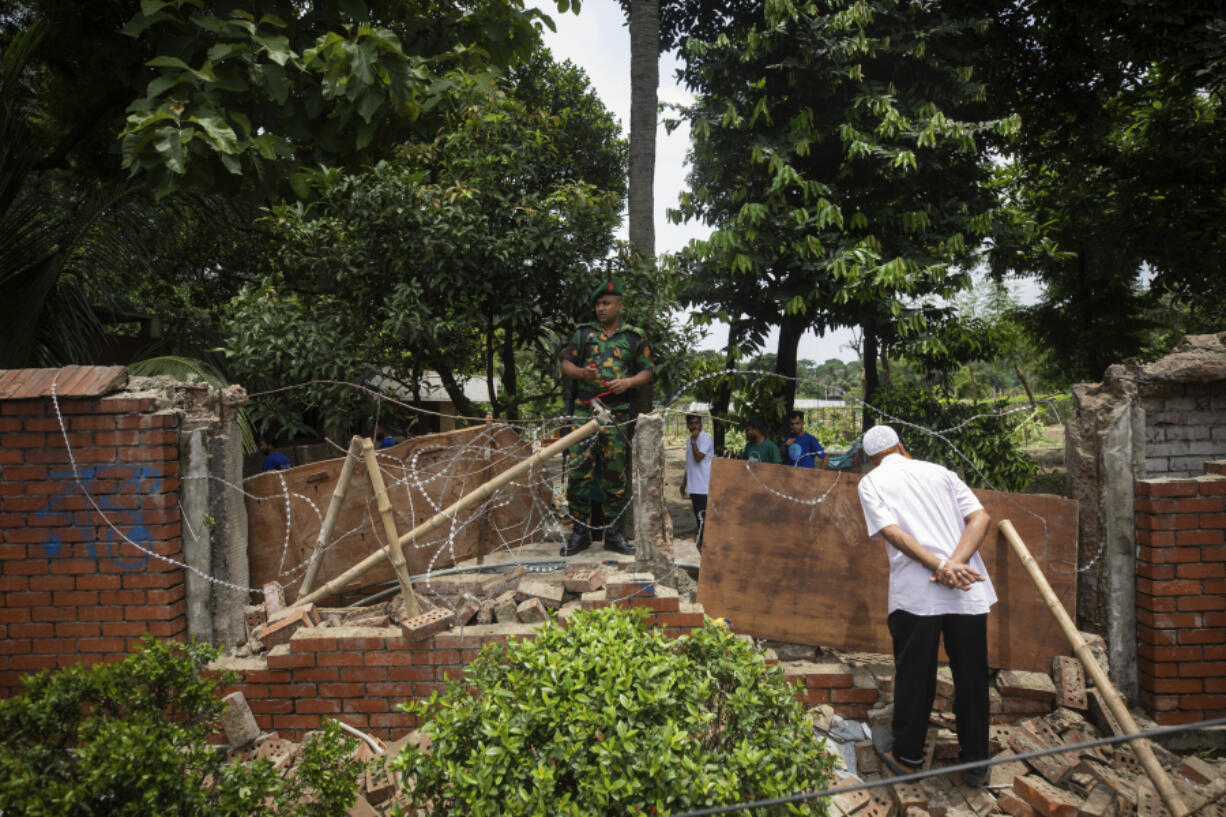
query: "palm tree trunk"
644, 84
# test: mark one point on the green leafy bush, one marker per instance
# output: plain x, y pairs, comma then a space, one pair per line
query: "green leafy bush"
130, 739
603, 716
979, 441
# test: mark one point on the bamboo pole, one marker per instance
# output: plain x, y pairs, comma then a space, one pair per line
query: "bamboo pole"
334, 509
395, 554
1114, 702
479, 494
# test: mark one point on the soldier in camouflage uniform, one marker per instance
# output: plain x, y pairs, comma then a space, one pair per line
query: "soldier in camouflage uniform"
607, 358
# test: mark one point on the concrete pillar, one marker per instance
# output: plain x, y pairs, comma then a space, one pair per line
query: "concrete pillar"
197, 531
653, 527
230, 512
1122, 464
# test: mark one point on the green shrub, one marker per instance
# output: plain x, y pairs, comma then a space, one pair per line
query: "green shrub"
130, 739
980, 441
603, 716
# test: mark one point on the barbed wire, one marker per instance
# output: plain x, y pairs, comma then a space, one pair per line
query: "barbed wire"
431, 478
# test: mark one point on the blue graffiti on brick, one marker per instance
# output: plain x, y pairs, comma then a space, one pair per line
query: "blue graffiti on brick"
142, 480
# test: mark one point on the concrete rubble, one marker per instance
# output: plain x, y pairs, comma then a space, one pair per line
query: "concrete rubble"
1029, 711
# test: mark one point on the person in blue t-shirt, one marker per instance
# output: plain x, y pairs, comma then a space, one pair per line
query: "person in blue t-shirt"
273, 460
800, 448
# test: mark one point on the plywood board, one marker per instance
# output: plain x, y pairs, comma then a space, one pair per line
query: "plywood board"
786, 556
285, 509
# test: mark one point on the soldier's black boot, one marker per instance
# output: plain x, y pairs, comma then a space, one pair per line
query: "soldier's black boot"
580, 539
613, 540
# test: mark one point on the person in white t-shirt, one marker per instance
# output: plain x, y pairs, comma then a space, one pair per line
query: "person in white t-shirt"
939, 588
699, 451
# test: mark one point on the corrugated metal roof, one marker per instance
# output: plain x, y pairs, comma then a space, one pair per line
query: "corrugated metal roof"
70, 381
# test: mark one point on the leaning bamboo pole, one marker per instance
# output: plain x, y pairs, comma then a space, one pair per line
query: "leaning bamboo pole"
395, 554
334, 509
479, 494
1114, 702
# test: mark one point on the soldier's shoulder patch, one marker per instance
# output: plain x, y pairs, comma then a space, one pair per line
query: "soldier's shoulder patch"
632, 329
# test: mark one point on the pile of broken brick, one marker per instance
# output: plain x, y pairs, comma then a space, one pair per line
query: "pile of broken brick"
1102, 781
380, 792
455, 600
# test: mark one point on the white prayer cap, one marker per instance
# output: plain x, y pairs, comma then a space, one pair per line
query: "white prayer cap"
878, 439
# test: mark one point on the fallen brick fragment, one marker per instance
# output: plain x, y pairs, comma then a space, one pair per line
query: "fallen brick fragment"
1069, 677
1052, 767
907, 795
629, 585
979, 801
281, 626
879, 806
1198, 770
506, 608
940, 794
1098, 649
531, 611
419, 628
500, 583
1101, 802
584, 580
1013, 805
1100, 714
945, 682
274, 597
485, 614
550, 593
867, 759
237, 721
916, 811
946, 745
254, 616
851, 801
379, 784
1044, 798
466, 611
1002, 775
1030, 686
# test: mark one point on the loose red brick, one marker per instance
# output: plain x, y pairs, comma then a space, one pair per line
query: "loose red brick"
1070, 680
1044, 798
425, 625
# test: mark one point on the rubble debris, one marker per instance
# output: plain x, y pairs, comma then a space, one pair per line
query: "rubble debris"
419, 628
238, 721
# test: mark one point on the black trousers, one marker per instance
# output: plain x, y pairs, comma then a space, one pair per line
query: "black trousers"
699, 503
916, 641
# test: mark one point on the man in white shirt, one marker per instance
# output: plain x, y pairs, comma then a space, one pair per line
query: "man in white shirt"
699, 451
933, 526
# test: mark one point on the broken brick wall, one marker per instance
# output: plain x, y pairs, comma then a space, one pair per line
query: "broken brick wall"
1181, 595
73, 588
361, 674
1142, 421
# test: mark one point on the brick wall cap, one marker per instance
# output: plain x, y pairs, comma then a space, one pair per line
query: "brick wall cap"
230, 663
478, 630
346, 631
814, 667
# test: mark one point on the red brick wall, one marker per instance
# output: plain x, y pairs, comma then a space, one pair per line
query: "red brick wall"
360, 674
72, 589
1181, 596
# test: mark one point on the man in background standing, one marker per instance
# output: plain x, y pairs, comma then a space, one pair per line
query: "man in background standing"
939, 589
699, 450
758, 448
800, 448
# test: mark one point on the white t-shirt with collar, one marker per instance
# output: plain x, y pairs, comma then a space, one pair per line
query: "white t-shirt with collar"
931, 503
698, 474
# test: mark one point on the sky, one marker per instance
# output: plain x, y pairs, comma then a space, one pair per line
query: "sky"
598, 41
